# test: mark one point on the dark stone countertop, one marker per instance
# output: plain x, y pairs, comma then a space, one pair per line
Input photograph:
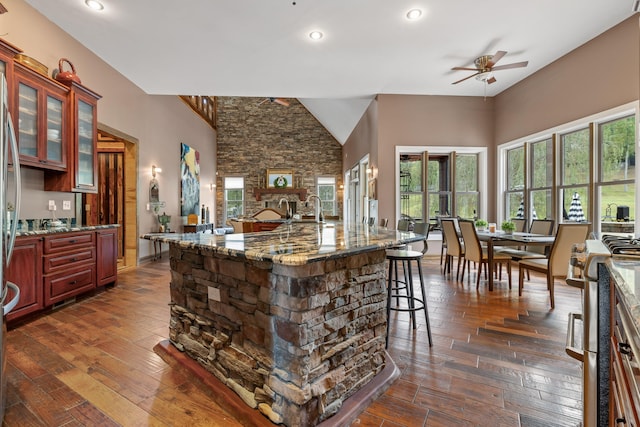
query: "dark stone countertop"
297, 243
56, 230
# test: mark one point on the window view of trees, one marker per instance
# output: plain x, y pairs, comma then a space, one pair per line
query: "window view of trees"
327, 193
411, 191
613, 184
234, 196
466, 185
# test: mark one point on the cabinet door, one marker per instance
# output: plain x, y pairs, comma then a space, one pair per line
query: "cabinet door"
107, 251
42, 120
86, 160
25, 270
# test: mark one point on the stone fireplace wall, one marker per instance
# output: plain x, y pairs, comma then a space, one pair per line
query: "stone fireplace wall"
252, 138
292, 341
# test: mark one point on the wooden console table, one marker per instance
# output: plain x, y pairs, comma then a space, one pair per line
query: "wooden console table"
301, 192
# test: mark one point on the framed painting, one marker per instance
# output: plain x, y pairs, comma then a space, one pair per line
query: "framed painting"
189, 180
279, 178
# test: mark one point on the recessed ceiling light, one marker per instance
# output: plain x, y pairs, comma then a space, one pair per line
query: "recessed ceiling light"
94, 4
414, 14
316, 35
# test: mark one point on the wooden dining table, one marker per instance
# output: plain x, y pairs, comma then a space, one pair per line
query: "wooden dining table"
500, 238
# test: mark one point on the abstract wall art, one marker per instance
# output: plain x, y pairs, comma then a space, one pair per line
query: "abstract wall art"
190, 180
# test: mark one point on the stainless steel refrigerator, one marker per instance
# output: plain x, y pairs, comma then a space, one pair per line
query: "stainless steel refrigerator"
9, 214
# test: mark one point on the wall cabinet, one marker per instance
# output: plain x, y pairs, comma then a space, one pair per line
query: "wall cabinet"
42, 127
83, 175
25, 270
51, 269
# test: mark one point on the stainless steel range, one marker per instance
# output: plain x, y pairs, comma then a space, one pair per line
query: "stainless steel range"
585, 269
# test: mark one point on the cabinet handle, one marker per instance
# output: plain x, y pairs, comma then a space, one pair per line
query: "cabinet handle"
73, 282
73, 259
72, 241
621, 421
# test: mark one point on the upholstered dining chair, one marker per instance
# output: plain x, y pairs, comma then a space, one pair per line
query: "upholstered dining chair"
556, 265
403, 225
538, 226
520, 224
473, 251
422, 228
454, 246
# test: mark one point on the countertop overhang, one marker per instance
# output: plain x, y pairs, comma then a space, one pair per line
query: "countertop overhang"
297, 243
55, 230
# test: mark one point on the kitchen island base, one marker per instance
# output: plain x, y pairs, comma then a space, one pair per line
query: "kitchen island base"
236, 407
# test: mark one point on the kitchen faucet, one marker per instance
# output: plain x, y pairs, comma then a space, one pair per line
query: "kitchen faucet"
288, 214
318, 207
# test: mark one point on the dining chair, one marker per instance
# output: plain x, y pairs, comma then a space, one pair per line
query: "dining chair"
454, 246
556, 265
473, 251
543, 227
422, 228
403, 225
384, 222
520, 223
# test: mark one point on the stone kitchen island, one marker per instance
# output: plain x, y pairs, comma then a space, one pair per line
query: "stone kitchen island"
292, 320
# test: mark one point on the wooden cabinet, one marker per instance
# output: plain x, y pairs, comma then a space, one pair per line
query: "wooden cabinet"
25, 270
69, 265
83, 175
107, 251
7, 53
43, 119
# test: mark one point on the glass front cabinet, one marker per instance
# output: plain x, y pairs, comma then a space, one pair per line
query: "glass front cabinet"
42, 113
83, 176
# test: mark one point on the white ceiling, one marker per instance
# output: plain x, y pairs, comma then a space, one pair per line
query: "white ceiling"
261, 47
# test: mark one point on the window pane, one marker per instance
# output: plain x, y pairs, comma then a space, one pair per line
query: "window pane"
514, 206
541, 200
327, 193
234, 182
542, 164
439, 204
614, 196
515, 169
618, 150
466, 172
575, 157
411, 172
412, 205
575, 203
467, 205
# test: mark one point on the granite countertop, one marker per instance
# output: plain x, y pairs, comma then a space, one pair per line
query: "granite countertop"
626, 273
56, 230
296, 243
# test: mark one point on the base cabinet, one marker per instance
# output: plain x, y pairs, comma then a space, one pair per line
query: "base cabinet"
25, 270
51, 269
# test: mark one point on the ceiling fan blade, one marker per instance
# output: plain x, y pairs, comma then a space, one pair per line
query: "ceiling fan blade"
464, 69
508, 66
497, 57
280, 101
491, 80
468, 77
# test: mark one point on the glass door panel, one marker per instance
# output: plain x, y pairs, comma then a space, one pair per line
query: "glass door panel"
27, 120
54, 129
85, 173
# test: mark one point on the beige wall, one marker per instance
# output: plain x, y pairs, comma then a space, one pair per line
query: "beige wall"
595, 77
600, 75
159, 123
411, 120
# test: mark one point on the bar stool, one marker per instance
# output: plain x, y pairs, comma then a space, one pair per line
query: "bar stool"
395, 284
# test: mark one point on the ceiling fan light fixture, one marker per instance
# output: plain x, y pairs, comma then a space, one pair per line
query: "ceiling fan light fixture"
483, 77
414, 14
316, 35
94, 4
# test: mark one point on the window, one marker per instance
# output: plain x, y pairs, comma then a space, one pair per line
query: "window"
327, 193
541, 185
411, 191
575, 158
616, 175
466, 185
233, 197
514, 196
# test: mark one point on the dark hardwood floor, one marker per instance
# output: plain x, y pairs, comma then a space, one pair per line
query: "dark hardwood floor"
497, 360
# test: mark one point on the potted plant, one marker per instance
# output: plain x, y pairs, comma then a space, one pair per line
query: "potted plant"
481, 224
508, 227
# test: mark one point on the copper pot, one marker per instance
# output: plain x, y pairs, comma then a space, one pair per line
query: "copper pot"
67, 77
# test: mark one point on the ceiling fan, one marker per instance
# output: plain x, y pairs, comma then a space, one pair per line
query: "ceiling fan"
280, 101
485, 66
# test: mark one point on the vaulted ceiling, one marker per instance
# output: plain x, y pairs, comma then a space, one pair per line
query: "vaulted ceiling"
262, 48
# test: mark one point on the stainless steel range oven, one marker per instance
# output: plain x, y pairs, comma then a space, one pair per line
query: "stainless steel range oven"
587, 272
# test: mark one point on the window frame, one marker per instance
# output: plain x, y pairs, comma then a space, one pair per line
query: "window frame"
226, 200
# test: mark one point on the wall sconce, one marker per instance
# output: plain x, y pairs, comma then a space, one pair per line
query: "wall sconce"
154, 170
212, 187
369, 170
